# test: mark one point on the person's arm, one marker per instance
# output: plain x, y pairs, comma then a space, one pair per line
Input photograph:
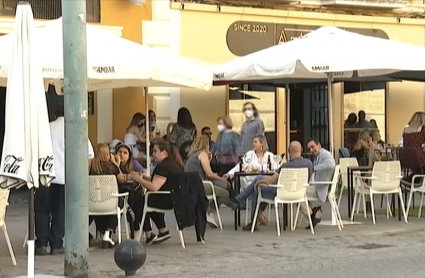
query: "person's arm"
154, 185
90, 153
205, 163
260, 127
328, 163
235, 169
195, 133
173, 134
235, 141
137, 167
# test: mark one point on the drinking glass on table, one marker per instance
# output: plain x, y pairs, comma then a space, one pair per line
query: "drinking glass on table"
247, 159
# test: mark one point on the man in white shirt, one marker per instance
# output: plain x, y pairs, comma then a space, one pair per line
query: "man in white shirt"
50, 201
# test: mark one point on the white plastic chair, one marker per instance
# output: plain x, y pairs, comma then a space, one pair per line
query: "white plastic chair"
385, 179
147, 209
103, 200
213, 198
291, 189
244, 184
331, 196
344, 163
420, 189
4, 196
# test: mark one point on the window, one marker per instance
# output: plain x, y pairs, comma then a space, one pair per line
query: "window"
370, 98
50, 9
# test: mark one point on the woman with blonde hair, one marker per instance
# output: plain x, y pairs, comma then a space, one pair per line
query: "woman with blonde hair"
364, 142
414, 136
198, 161
104, 163
225, 147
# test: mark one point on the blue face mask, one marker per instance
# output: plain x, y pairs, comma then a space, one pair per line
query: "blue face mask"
152, 128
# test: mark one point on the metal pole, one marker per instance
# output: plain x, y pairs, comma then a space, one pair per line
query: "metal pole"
330, 110
147, 126
76, 157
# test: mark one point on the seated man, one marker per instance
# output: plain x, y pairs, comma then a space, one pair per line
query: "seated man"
323, 167
296, 161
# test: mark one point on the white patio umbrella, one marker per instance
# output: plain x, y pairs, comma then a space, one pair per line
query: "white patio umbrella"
112, 62
27, 156
327, 54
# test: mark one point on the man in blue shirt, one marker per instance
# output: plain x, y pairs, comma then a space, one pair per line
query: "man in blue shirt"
296, 161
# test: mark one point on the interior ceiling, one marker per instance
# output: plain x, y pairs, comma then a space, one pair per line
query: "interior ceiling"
297, 6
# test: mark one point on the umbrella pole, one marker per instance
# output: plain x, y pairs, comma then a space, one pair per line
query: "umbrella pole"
288, 117
30, 242
330, 114
147, 126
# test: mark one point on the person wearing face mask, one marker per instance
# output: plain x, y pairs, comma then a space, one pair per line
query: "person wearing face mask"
225, 147
253, 126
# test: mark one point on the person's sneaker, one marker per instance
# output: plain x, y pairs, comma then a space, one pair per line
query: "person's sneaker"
249, 227
233, 204
41, 251
162, 237
57, 251
150, 240
211, 220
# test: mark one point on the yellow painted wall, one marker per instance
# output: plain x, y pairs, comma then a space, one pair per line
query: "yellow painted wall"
203, 36
126, 101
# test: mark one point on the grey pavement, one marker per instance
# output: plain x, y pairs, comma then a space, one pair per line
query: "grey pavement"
388, 249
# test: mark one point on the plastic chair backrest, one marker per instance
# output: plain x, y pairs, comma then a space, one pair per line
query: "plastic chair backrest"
343, 164
101, 189
386, 173
293, 181
335, 180
4, 196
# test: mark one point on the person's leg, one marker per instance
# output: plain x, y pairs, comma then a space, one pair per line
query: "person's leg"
57, 229
42, 219
268, 193
159, 220
315, 212
241, 198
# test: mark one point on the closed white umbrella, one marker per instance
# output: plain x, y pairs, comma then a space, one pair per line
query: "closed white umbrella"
112, 62
27, 156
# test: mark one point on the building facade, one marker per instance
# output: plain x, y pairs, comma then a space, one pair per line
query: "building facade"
215, 33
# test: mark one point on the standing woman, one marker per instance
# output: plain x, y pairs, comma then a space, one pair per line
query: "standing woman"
253, 126
225, 147
184, 130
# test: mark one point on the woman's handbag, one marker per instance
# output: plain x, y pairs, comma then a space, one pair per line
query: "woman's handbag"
227, 159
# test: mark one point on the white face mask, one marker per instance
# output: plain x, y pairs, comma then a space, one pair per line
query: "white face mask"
249, 113
220, 128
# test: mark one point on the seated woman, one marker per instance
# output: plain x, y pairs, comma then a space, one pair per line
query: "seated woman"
135, 133
363, 144
169, 164
127, 166
104, 163
258, 158
199, 161
414, 138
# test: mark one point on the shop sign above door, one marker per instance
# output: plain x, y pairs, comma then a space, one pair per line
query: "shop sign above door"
245, 37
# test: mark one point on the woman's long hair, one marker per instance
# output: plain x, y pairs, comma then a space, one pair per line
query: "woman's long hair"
171, 151
127, 168
137, 118
199, 144
101, 155
416, 123
184, 119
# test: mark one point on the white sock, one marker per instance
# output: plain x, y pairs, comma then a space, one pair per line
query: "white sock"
106, 236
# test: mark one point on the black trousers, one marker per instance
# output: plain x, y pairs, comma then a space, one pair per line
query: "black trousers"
106, 222
156, 201
49, 207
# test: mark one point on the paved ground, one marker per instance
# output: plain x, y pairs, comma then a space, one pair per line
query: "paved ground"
388, 249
